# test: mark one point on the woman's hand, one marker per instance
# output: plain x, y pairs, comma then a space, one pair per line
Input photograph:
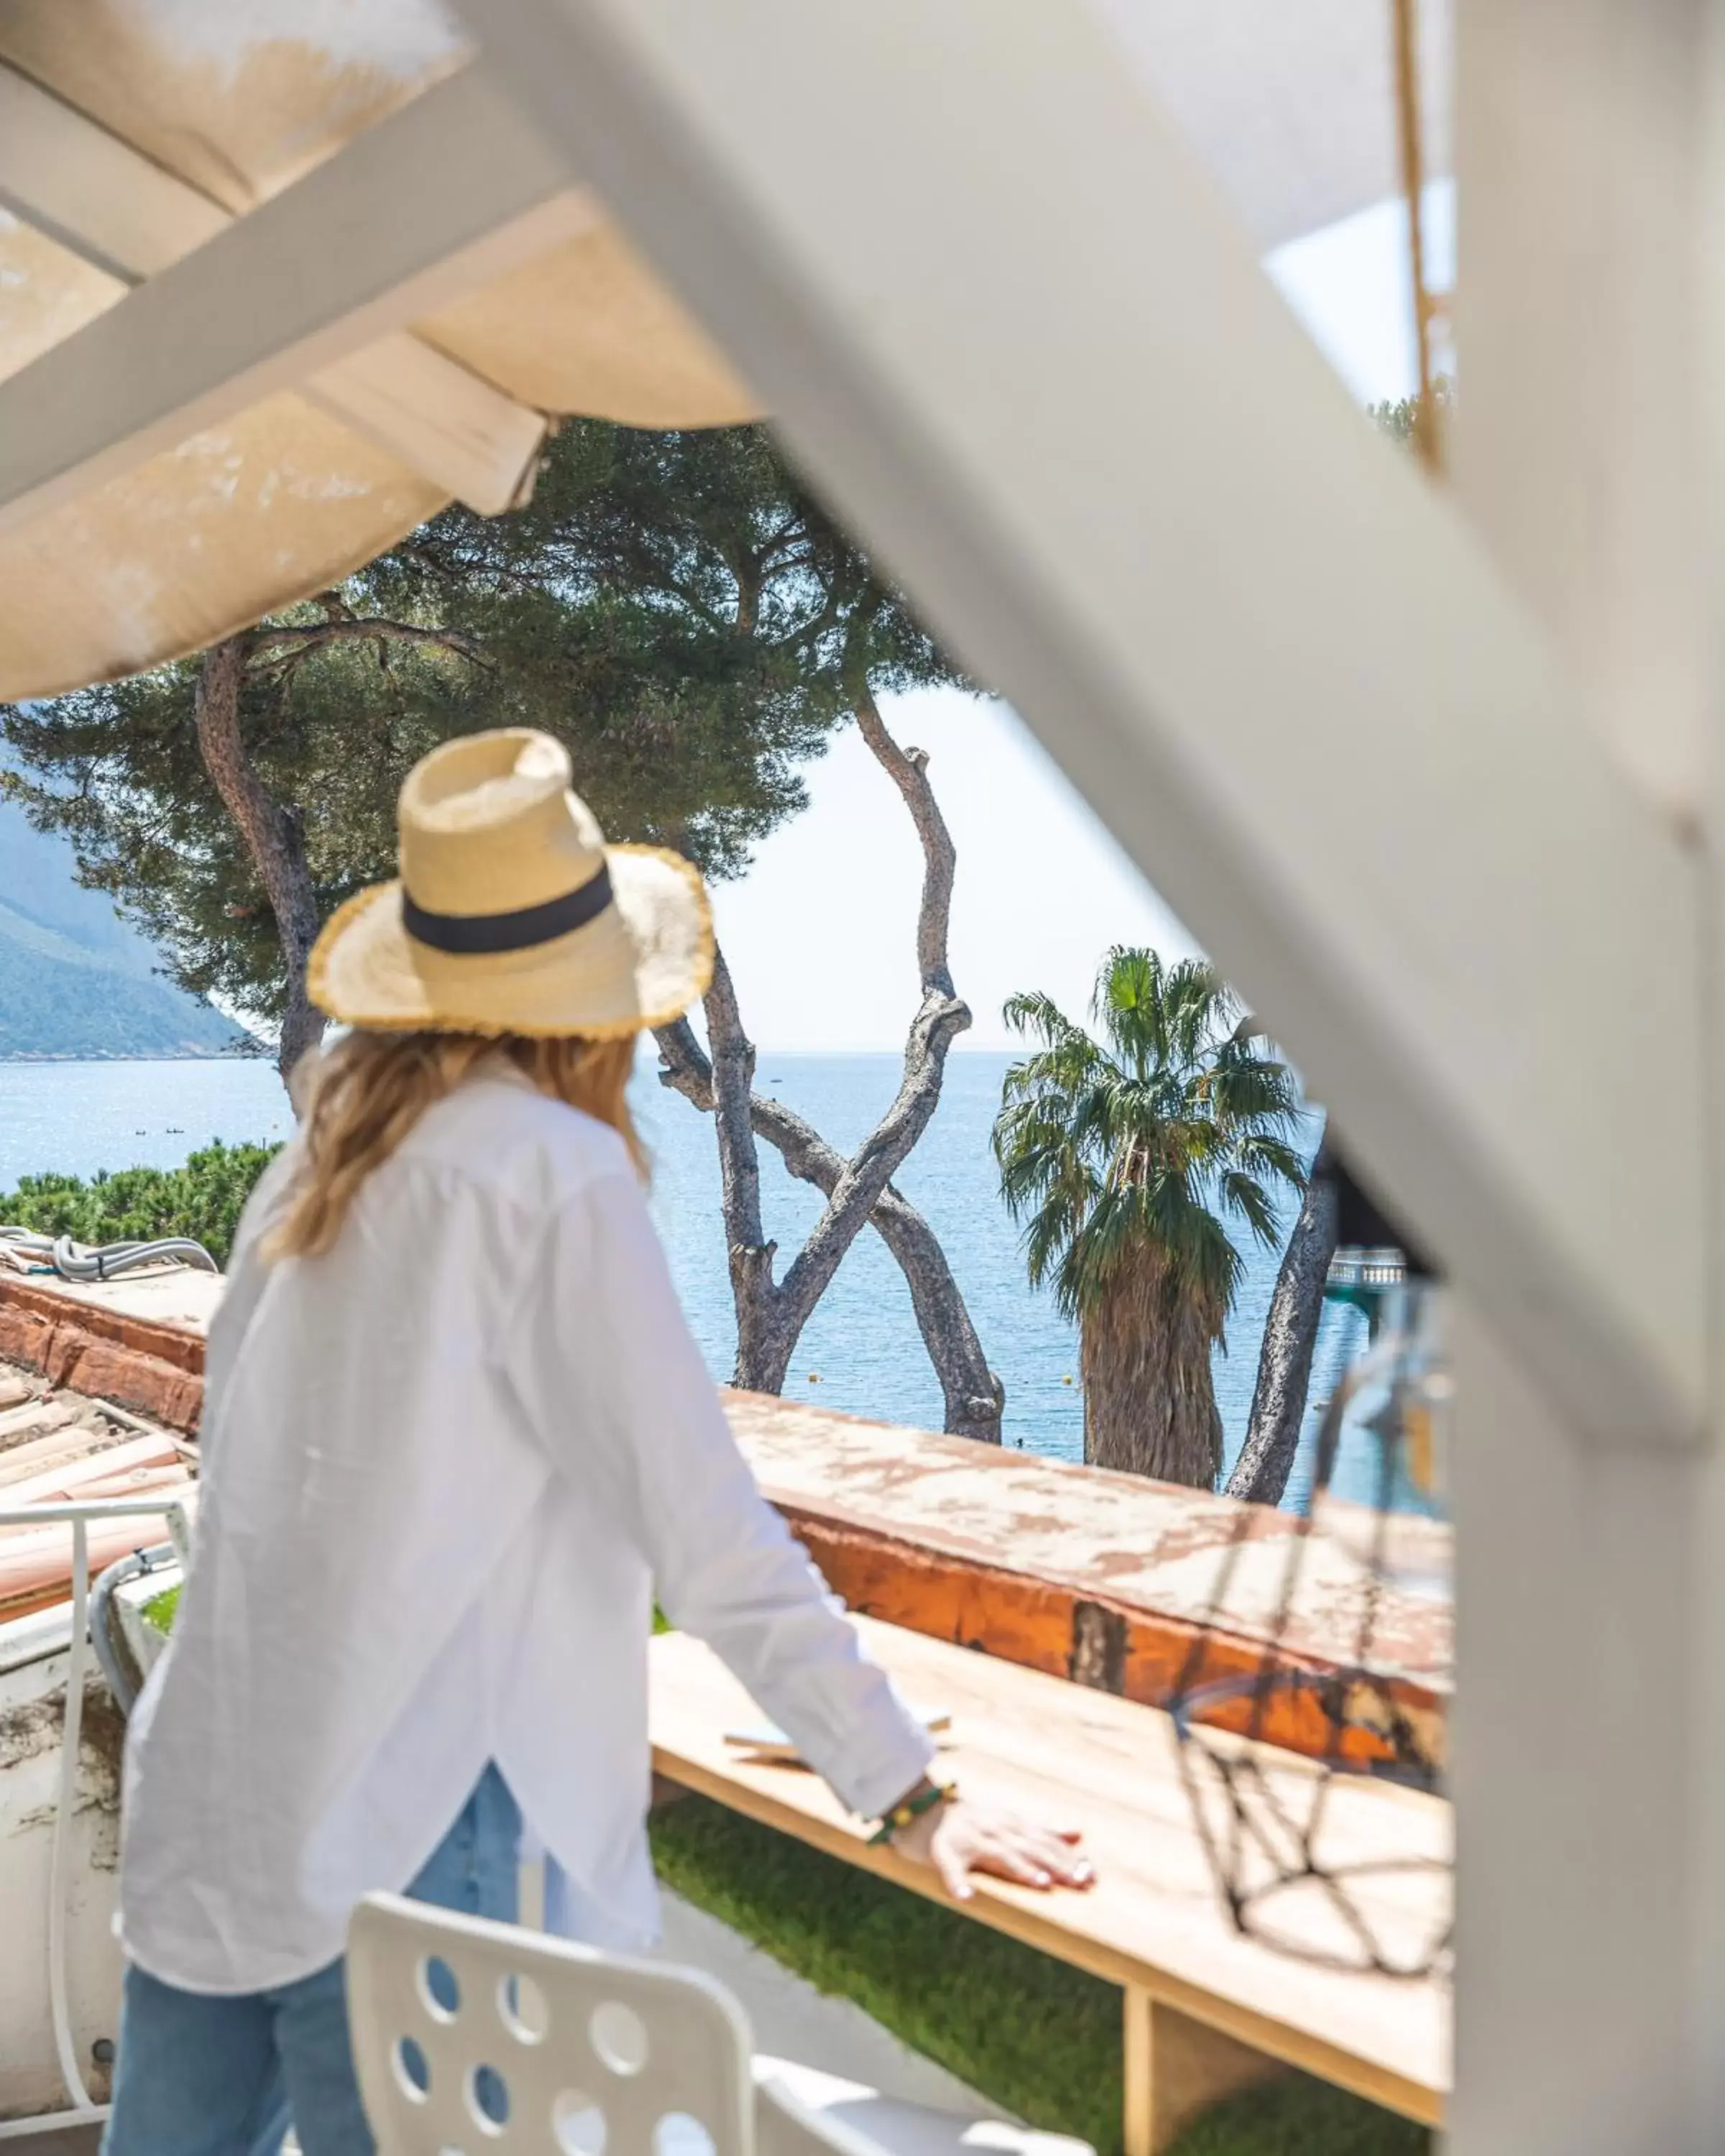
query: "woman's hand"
959, 1837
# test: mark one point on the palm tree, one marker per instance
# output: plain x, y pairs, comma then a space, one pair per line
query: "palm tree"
1123, 1156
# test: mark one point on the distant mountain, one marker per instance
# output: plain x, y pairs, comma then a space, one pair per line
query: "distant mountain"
74, 980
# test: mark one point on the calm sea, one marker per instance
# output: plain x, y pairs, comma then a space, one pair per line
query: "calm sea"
861, 1352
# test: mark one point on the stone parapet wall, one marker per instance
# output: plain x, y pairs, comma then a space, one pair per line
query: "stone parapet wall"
104, 1350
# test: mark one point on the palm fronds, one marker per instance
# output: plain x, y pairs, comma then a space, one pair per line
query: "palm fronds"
1140, 1146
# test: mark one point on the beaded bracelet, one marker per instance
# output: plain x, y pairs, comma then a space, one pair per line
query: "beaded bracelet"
913, 1808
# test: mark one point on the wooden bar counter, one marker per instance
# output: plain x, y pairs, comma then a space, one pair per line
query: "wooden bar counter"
1206, 2010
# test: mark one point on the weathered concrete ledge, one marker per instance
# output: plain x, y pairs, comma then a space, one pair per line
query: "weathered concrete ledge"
1109, 1579
1106, 1580
134, 1342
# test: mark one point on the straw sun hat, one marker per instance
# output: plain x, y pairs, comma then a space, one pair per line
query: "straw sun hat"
511, 914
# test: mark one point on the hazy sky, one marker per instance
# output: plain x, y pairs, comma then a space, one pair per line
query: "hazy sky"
819, 933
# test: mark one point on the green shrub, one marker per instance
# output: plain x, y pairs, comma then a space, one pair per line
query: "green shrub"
1039, 2038
203, 1199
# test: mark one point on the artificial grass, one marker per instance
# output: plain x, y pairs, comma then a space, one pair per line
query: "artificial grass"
1301, 2118
1042, 2039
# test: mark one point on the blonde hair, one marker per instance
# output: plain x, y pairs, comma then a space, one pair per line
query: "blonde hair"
372, 1088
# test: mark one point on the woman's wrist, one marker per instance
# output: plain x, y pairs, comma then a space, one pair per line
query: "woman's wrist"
916, 1803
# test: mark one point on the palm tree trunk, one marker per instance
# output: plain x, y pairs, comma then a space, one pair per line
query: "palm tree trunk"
1149, 1397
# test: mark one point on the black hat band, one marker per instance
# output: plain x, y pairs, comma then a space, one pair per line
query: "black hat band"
484, 935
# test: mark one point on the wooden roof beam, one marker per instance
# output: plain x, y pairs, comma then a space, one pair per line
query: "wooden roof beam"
448, 191
1010, 325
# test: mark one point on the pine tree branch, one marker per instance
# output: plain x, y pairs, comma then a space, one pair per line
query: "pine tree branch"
270, 646
908, 770
972, 1395
880, 1156
943, 1016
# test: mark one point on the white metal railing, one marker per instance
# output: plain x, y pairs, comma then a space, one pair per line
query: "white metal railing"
84, 2110
1375, 1269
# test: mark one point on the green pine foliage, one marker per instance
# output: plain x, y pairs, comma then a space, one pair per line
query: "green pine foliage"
1039, 2038
675, 607
203, 1199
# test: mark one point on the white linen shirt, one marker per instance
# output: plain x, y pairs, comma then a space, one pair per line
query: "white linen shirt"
446, 1465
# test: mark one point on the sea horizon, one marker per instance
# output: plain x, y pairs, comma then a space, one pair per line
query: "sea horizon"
861, 1352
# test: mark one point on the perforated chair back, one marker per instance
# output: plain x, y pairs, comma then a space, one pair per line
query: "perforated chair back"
470, 2036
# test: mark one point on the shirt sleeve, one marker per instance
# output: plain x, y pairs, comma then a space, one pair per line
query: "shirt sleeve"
605, 1363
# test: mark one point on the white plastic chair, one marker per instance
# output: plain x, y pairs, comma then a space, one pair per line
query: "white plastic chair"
470, 2035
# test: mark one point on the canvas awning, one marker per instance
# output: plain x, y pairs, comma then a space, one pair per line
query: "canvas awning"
280, 278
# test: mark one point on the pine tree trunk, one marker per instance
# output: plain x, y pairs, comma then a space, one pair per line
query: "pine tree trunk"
765, 1341
762, 1350
771, 1313
973, 1395
1261, 1474
273, 838
1149, 1396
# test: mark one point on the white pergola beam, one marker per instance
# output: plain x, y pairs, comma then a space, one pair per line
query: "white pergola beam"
96, 195
433, 413
1576, 454
307, 291
1589, 1740
1008, 323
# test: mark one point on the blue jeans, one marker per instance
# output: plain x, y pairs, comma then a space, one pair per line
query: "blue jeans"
196, 2076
